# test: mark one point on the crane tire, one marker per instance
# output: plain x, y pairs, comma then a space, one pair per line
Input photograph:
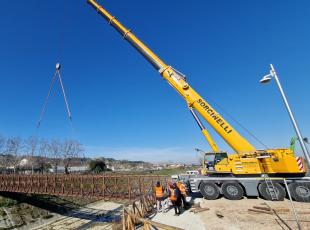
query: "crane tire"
264, 192
209, 190
232, 190
300, 191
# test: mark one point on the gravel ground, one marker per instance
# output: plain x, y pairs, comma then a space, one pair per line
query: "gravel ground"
236, 216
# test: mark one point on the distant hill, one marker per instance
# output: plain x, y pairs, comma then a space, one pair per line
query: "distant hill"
24, 161
126, 165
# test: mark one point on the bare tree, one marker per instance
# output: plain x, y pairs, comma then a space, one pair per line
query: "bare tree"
2, 144
55, 153
39, 152
31, 145
14, 148
70, 149
43, 150
2, 151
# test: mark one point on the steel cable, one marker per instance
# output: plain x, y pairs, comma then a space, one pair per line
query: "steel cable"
238, 123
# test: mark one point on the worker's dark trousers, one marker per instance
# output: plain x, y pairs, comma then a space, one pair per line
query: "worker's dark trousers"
176, 206
183, 197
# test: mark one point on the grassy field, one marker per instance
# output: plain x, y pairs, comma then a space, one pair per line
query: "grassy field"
163, 172
169, 171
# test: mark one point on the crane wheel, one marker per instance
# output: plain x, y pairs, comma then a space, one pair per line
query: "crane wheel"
209, 190
232, 190
300, 191
264, 191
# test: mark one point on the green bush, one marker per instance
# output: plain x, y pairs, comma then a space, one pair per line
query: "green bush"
98, 166
6, 202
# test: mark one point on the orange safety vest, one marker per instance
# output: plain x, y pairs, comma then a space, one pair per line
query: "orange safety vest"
172, 197
159, 192
182, 188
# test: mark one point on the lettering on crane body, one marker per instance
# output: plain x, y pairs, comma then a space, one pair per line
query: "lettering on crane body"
214, 116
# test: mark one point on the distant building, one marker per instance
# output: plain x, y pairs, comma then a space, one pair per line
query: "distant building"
73, 169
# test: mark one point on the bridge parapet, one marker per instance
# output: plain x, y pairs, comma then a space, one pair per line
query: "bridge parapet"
109, 187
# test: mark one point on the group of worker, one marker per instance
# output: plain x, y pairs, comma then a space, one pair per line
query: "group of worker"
176, 194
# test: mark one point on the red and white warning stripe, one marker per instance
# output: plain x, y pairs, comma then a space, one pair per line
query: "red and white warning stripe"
299, 163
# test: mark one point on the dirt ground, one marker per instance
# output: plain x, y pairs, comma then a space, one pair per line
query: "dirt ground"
235, 215
223, 214
187, 220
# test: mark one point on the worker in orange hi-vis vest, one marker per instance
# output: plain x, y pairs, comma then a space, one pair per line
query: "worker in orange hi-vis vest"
159, 193
183, 194
174, 196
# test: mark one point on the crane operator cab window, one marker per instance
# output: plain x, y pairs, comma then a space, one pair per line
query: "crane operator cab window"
211, 159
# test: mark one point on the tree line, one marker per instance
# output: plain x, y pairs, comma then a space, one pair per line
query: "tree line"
41, 154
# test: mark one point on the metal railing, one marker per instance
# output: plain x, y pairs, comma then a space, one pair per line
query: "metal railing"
98, 186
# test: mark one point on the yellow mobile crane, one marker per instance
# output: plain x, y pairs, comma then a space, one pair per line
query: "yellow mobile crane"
247, 161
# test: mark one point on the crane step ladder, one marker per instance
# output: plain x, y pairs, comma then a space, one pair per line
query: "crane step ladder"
270, 187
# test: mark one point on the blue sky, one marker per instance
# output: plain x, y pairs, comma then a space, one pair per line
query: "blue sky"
120, 106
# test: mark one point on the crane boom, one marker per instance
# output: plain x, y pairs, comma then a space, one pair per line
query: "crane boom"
178, 82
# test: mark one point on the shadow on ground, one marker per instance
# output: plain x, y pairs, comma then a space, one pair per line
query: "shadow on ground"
65, 207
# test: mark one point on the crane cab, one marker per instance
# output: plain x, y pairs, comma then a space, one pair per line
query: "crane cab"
211, 160
272, 162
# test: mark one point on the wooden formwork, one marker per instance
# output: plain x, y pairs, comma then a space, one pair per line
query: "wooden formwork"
138, 212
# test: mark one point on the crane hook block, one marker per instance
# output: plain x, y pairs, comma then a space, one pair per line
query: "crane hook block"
58, 66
